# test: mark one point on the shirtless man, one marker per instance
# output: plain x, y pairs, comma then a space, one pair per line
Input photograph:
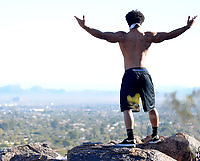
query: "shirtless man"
136, 81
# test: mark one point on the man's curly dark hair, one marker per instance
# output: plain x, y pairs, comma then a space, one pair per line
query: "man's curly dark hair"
134, 16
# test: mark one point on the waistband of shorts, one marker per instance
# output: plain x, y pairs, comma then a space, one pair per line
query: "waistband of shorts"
137, 69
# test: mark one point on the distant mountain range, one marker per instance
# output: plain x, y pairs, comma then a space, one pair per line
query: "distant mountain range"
11, 89
39, 95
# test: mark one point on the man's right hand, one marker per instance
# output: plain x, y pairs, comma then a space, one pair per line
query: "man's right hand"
190, 21
81, 22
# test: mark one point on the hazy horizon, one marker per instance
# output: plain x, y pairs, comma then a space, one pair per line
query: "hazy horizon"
161, 88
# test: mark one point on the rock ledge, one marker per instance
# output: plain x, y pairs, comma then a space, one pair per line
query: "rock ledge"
180, 147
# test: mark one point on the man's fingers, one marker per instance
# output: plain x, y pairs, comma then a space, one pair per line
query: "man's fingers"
76, 18
194, 17
188, 19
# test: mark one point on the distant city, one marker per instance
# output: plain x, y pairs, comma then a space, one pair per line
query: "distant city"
65, 119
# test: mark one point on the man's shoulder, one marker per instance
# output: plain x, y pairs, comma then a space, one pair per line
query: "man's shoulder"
121, 32
150, 33
150, 36
120, 35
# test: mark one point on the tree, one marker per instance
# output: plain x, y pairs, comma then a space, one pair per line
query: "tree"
73, 134
66, 143
54, 124
4, 126
1, 131
187, 109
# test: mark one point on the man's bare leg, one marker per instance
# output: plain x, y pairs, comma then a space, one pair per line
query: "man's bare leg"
129, 123
128, 119
154, 119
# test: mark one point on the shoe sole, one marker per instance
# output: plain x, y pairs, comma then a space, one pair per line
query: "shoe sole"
126, 145
155, 142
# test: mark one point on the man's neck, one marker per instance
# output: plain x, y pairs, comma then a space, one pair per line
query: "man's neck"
134, 30
134, 25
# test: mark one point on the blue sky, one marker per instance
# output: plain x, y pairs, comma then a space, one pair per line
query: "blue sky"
41, 43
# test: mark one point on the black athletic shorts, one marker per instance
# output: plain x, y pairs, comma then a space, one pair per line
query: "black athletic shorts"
137, 83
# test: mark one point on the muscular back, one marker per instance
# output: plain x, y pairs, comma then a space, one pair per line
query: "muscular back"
134, 44
134, 48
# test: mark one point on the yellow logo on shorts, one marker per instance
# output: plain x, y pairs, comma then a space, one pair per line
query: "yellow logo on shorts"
134, 102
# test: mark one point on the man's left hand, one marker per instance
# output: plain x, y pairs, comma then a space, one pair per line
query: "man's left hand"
81, 22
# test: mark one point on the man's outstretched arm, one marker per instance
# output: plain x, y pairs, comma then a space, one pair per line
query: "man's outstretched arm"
109, 36
161, 36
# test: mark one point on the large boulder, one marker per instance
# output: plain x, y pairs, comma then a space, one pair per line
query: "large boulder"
180, 146
109, 152
29, 152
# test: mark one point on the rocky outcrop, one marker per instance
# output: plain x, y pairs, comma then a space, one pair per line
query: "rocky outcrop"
179, 147
29, 152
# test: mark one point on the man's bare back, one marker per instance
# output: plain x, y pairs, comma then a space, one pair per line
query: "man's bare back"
134, 48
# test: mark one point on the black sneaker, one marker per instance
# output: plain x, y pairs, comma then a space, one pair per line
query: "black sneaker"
126, 142
155, 140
